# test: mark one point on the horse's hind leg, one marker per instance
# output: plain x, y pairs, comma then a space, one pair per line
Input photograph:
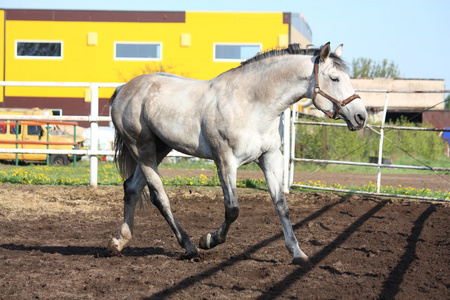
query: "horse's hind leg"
161, 201
133, 188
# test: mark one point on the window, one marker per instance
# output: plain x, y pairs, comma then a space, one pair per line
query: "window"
12, 128
57, 111
34, 130
137, 51
3, 126
39, 49
235, 52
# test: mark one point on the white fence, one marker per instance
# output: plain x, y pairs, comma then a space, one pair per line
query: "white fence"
93, 118
288, 137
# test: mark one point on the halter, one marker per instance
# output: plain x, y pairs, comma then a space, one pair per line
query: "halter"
317, 90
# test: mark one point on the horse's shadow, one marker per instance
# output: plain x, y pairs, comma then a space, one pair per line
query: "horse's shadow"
96, 252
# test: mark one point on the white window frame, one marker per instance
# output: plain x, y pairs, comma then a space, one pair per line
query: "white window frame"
234, 44
138, 58
38, 57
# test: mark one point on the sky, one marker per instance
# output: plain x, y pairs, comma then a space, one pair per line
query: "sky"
414, 34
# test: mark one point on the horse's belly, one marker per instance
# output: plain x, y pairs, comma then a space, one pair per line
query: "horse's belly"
184, 138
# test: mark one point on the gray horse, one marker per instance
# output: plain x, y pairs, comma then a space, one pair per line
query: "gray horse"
232, 119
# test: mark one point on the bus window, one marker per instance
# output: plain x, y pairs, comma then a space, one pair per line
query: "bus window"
2, 127
34, 130
12, 128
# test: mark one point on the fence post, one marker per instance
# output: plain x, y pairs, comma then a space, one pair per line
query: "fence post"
48, 145
286, 148
380, 148
94, 135
74, 147
17, 139
292, 150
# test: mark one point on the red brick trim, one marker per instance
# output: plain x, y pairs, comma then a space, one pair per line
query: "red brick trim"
96, 16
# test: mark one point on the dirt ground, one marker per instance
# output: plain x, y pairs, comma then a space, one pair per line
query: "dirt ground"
53, 247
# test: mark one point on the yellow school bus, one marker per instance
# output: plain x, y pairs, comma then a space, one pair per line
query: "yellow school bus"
19, 134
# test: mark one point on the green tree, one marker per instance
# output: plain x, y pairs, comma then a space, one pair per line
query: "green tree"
366, 67
447, 102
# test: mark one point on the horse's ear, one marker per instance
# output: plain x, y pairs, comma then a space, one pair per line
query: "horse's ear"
325, 51
338, 51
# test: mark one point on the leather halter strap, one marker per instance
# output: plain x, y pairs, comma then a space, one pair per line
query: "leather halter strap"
317, 90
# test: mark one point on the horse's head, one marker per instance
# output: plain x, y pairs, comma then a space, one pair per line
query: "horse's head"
333, 93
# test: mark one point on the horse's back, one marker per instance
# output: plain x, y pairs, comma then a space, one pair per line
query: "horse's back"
168, 106
154, 93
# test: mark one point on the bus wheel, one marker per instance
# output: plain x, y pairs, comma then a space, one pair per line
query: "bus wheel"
59, 159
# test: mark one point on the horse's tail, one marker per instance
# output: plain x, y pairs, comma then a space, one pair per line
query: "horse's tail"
114, 95
124, 160
122, 156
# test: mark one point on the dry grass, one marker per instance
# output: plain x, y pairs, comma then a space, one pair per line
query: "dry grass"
33, 201
19, 201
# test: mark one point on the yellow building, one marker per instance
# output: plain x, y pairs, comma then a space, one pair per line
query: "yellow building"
115, 46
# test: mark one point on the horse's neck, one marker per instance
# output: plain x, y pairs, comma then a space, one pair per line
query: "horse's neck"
281, 83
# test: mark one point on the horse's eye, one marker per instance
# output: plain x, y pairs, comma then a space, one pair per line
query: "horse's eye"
334, 79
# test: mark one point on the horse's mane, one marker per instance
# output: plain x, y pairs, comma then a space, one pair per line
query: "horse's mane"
295, 49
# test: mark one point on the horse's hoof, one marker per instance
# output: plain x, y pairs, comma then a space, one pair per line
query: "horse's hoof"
304, 262
113, 247
190, 254
205, 241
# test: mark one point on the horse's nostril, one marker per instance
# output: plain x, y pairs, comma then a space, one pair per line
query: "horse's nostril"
360, 118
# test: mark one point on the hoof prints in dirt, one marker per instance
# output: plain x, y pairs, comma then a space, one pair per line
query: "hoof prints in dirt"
360, 248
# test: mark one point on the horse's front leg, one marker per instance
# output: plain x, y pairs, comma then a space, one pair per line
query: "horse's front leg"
272, 165
227, 176
133, 188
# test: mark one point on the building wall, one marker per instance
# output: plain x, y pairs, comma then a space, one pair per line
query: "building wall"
88, 38
439, 118
400, 104
401, 100
2, 53
299, 30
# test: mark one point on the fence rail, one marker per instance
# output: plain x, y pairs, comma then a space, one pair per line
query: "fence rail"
362, 164
289, 118
93, 118
373, 126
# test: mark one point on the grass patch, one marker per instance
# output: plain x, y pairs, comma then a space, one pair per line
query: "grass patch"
372, 188
204, 164
198, 164
108, 175
59, 175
